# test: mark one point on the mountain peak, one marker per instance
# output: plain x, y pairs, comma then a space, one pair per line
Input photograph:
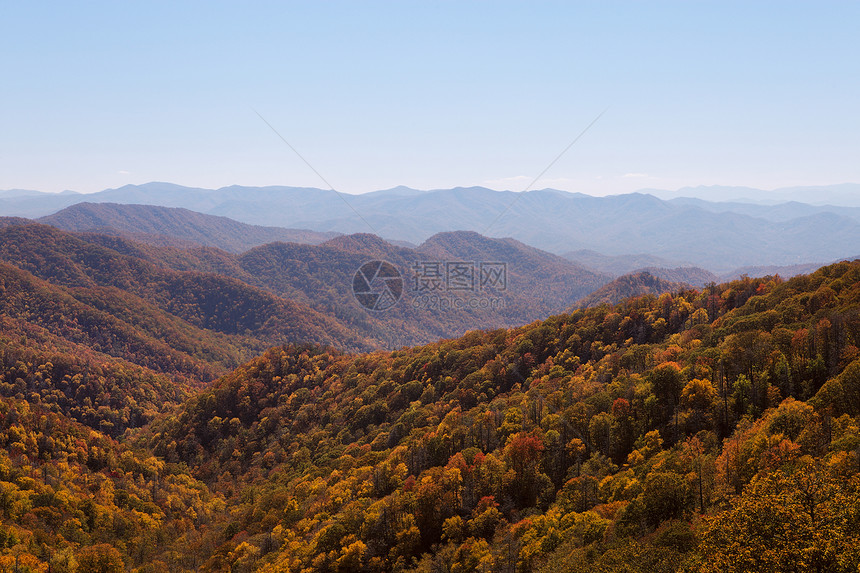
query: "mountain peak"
627, 286
360, 243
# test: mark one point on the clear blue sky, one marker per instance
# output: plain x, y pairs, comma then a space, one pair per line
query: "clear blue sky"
429, 94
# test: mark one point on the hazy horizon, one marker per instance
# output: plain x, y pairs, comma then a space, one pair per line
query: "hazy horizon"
840, 194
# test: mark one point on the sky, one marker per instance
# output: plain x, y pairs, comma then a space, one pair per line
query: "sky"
439, 94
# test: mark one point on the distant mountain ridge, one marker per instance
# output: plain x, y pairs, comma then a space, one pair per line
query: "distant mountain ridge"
717, 238
779, 212
842, 194
175, 226
697, 277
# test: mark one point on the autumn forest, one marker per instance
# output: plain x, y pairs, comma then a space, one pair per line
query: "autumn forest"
168, 409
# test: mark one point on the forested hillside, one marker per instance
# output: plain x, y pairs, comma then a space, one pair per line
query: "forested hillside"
683, 432
74, 500
111, 339
680, 432
289, 292
537, 285
135, 289
631, 285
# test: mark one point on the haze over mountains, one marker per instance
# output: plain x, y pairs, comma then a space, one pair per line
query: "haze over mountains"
718, 237
845, 194
310, 273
